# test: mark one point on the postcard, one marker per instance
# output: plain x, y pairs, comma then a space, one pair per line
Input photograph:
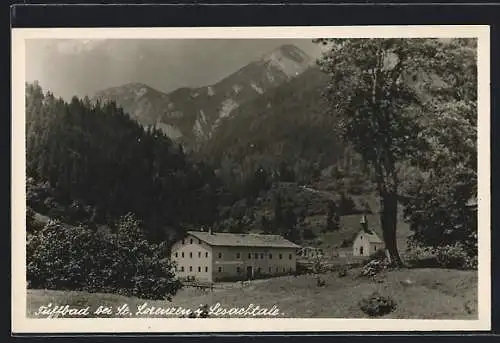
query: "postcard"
251, 179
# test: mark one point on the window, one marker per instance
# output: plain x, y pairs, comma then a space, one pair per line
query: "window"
206, 254
199, 253
270, 256
270, 270
238, 270
284, 270
261, 256
281, 256
183, 241
220, 255
237, 255
206, 269
258, 269
182, 254
182, 269
191, 241
220, 269
199, 241
176, 254
277, 270
361, 250
256, 256
190, 268
190, 255
249, 256
199, 269
290, 256
361, 237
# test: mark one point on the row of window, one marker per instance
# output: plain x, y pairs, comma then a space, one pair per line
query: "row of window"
199, 269
191, 269
258, 270
261, 255
191, 254
238, 269
238, 255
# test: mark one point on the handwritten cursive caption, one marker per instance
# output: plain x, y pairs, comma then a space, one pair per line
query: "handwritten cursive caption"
146, 310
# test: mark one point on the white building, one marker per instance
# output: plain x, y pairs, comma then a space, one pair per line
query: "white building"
213, 256
367, 242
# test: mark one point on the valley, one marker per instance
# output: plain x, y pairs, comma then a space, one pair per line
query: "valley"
285, 146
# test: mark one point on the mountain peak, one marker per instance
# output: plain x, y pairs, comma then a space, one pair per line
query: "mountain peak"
287, 51
196, 113
289, 59
138, 85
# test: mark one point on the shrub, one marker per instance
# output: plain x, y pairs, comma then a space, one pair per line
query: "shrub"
422, 257
378, 255
80, 259
374, 267
455, 256
377, 305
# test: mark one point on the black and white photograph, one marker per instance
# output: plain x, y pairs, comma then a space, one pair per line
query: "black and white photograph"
241, 178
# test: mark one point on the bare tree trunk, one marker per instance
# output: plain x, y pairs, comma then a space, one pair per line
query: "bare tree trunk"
388, 220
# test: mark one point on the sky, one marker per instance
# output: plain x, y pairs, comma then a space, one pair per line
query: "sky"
83, 67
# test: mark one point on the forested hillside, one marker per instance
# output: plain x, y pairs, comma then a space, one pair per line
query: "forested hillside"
93, 160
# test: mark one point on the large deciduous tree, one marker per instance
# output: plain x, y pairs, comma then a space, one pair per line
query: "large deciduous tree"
410, 102
374, 91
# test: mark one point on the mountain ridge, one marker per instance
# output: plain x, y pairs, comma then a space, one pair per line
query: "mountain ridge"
191, 115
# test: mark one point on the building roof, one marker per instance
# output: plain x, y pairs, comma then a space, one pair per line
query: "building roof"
371, 236
243, 240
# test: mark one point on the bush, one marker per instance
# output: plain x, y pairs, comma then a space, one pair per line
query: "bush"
421, 257
374, 267
377, 305
455, 256
80, 259
379, 255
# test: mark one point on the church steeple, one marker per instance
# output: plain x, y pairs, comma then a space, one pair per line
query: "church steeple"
364, 223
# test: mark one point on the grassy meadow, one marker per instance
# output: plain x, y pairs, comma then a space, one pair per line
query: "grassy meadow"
419, 294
